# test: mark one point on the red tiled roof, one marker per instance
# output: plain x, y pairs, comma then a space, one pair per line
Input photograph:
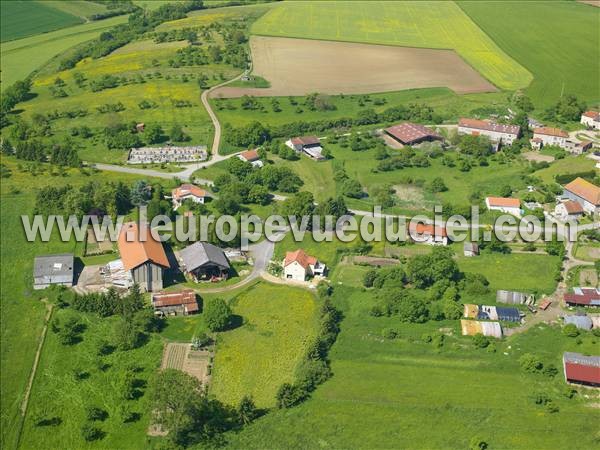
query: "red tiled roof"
573, 207
582, 373
428, 229
135, 252
592, 115
489, 126
187, 297
584, 189
306, 140
250, 155
504, 202
300, 257
549, 131
411, 132
188, 189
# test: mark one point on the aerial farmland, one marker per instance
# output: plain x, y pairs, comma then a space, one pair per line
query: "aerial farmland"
300, 224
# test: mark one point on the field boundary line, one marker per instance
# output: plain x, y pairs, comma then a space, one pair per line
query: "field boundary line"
36, 360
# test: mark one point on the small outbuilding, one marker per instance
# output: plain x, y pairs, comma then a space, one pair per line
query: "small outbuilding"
581, 321
53, 269
473, 327
205, 262
179, 303
514, 298
471, 249
252, 157
581, 369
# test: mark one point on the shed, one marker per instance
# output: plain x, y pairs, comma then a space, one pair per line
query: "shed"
581, 369
513, 297
473, 327
205, 261
581, 321
471, 248
53, 269
175, 303
508, 314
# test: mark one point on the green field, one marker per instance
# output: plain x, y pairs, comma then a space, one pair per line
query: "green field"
27, 18
22, 313
556, 41
413, 24
404, 393
23, 56
259, 356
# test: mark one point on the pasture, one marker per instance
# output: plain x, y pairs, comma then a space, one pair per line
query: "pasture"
439, 25
21, 311
21, 57
409, 394
27, 18
277, 324
556, 41
343, 67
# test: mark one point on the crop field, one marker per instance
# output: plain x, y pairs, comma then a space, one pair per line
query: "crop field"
556, 41
21, 57
262, 354
404, 393
27, 18
343, 67
426, 24
207, 16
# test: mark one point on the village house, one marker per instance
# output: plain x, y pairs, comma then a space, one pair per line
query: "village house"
53, 269
568, 210
584, 193
581, 369
578, 148
311, 145
583, 296
471, 249
205, 262
498, 133
428, 234
591, 119
142, 256
412, 134
298, 266
504, 204
550, 136
187, 192
179, 303
252, 157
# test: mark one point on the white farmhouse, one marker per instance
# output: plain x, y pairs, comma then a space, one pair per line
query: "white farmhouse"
252, 157
311, 145
568, 210
504, 204
584, 193
498, 133
550, 136
298, 266
187, 191
591, 119
428, 234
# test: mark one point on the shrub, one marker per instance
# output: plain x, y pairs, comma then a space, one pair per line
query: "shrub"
530, 363
481, 341
570, 330
389, 333
91, 433
94, 413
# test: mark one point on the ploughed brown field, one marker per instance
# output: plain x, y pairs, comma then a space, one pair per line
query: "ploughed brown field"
303, 66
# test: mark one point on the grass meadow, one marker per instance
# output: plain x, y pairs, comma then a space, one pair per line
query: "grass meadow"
413, 24
404, 393
262, 353
21, 311
22, 19
556, 41
21, 57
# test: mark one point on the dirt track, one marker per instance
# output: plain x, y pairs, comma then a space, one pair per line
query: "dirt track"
303, 66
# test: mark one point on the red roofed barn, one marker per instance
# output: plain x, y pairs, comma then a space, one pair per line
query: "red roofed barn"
411, 134
581, 369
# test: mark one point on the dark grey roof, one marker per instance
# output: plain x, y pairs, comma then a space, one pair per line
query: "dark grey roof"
508, 314
578, 358
48, 269
203, 253
580, 321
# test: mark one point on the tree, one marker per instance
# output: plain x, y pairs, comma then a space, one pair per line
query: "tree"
154, 133
287, 396
228, 204
91, 433
69, 332
480, 341
369, 278
437, 185
571, 330
217, 315
140, 193
93, 413
247, 411
126, 335
477, 444
352, 188
299, 205
177, 135
259, 194
530, 363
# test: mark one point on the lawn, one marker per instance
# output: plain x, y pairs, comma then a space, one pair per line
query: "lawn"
569, 164
513, 272
27, 18
260, 355
404, 393
22, 313
556, 41
23, 56
413, 24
